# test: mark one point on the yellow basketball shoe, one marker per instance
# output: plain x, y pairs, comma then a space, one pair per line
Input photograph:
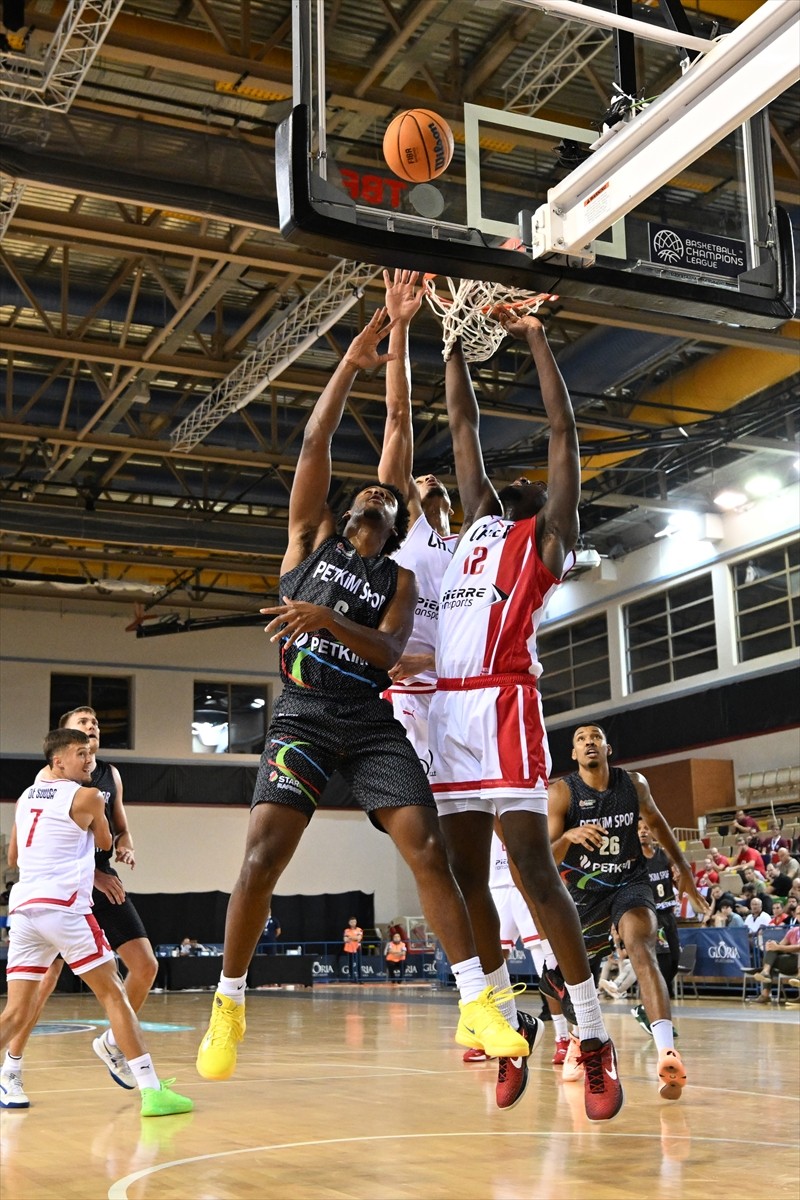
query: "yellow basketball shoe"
216, 1058
482, 1025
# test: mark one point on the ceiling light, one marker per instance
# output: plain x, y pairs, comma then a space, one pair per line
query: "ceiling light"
763, 485
729, 499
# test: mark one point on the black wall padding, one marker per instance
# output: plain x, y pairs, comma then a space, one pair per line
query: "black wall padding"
760, 704
170, 917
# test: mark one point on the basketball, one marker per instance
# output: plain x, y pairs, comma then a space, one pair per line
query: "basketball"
418, 145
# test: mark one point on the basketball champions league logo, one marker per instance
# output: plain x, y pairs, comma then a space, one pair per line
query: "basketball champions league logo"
703, 253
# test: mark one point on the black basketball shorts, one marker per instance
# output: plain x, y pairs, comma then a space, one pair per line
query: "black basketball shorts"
309, 738
120, 923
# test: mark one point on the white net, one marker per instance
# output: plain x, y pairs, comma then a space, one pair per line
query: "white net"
469, 311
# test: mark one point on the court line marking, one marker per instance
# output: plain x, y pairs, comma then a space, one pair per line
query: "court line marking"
119, 1189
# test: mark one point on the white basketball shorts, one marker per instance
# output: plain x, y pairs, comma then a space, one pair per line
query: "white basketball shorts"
37, 935
411, 709
489, 749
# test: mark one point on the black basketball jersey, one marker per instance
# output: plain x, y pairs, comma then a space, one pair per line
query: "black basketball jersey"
619, 860
103, 780
660, 874
336, 576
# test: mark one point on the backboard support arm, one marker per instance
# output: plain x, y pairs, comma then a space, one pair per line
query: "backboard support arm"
745, 70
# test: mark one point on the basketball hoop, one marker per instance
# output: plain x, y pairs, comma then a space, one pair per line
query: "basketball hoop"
469, 312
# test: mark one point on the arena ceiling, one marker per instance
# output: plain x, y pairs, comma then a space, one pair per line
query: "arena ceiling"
142, 262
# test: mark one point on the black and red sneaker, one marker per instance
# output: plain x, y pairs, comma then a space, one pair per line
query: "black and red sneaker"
512, 1075
603, 1094
552, 984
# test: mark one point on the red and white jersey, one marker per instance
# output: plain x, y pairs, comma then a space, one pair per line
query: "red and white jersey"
426, 554
56, 856
493, 597
499, 870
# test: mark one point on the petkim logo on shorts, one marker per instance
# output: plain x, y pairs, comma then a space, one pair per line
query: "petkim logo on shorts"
693, 251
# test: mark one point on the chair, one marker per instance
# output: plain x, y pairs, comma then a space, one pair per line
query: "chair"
780, 980
686, 965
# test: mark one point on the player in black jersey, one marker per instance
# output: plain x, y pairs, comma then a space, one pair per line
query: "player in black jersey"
668, 946
346, 614
112, 909
593, 816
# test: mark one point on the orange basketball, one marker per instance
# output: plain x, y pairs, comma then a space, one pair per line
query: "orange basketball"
418, 145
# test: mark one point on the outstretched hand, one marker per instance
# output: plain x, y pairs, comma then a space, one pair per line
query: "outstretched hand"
363, 352
403, 298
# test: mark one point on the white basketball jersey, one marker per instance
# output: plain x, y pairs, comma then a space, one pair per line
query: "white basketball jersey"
493, 596
499, 870
56, 856
426, 554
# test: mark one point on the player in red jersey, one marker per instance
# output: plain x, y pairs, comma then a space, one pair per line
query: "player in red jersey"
486, 720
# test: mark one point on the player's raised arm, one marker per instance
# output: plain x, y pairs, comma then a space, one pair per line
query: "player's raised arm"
310, 519
478, 497
403, 299
557, 523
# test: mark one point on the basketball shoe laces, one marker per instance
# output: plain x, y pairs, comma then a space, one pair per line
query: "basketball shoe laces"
593, 1062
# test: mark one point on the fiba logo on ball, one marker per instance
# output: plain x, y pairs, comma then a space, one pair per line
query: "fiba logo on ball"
668, 246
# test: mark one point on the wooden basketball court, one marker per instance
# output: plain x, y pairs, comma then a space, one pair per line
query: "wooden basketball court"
360, 1092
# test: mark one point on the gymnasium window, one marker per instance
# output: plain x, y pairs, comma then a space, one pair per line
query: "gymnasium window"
575, 661
229, 718
108, 695
767, 595
671, 635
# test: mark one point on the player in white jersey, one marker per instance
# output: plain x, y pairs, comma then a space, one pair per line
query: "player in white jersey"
428, 544
490, 748
57, 824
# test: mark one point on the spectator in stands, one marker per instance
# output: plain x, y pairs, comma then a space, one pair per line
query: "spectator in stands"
778, 914
742, 823
707, 875
790, 913
770, 844
719, 860
747, 856
794, 890
787, 865
715, 898
778, 884
751, 875
783, 956
748, 893
755, 921
395, 955
725, 917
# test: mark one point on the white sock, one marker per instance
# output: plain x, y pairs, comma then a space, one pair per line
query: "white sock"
109, 1036
233, 988
550, 960
470, 979
501, 979
663, 1034
144, 1072
11, 1063
560, 1028
587, 1010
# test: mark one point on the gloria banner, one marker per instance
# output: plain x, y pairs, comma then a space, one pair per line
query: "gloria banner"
719, 951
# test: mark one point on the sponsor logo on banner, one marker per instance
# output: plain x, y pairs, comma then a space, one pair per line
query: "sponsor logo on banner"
694, 251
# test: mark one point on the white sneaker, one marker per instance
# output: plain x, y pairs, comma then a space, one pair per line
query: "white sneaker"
11, 1093
116, 1062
